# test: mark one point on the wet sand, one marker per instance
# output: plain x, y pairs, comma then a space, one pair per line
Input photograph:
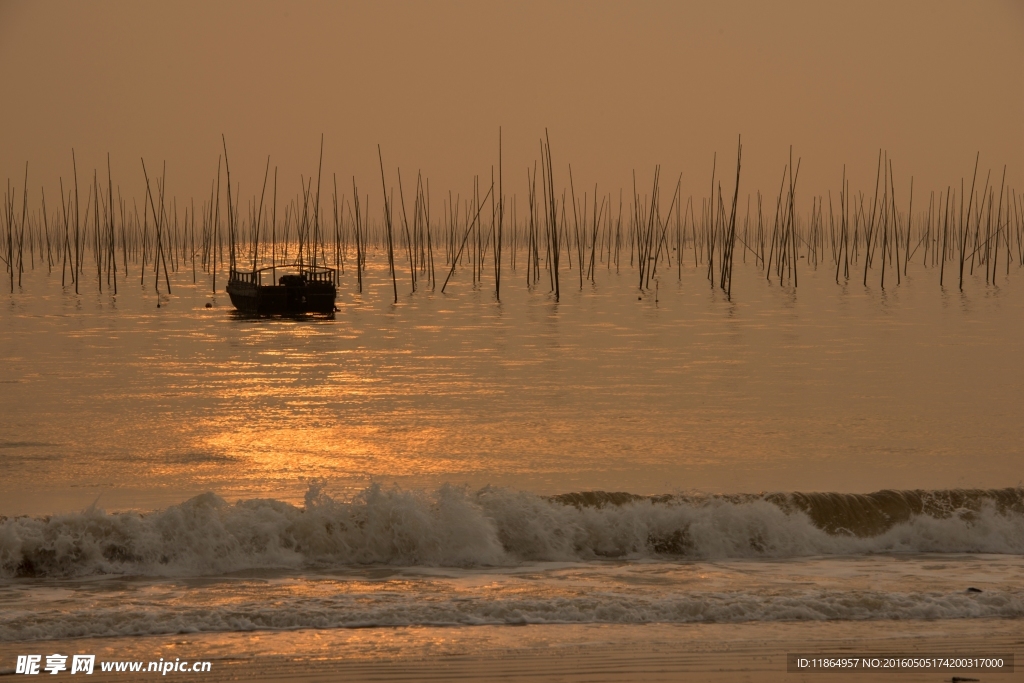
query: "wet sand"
723, 653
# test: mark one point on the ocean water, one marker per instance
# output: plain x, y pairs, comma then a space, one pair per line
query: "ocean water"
827, 453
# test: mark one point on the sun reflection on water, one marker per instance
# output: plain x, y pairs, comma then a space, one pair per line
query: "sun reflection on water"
599, 391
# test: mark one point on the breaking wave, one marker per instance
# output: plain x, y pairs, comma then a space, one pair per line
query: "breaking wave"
456, 526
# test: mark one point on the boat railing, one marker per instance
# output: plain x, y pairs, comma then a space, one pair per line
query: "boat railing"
319, 274
249, 276
310, 273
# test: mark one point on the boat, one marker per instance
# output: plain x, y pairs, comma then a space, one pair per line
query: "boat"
306, 289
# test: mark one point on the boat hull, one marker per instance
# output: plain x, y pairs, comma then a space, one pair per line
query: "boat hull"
311, 297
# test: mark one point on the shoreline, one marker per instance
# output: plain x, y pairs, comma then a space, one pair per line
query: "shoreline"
721, 653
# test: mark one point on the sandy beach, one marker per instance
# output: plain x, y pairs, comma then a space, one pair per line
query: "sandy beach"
722, 653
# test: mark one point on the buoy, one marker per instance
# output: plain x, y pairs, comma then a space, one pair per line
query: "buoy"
209, 305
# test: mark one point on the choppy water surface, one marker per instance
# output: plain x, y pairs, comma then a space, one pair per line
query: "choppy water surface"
406, 464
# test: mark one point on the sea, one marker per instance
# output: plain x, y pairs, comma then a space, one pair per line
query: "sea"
815, 454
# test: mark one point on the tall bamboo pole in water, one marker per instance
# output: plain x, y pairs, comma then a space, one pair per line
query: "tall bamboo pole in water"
842, 222
576, 225
273, 235
871, 227
963, 231
113, 250
885, 222
215, 228
10, 234
74, 267
358, 236
65, 243
231, 212
192, 241
316, 209
96, 226
498, 237
408, 235
21, 240
160, 227
945, 233
387, 218
553, 228
259, 217
46, 228
430, 248
730, 243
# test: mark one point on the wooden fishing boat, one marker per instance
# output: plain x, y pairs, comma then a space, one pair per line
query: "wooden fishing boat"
301, 289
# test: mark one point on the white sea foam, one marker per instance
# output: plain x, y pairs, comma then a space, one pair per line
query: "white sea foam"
384, 609
454, 526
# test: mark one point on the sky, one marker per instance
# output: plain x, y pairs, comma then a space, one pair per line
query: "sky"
618, 86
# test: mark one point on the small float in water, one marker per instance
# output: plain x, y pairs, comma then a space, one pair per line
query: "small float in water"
301, 289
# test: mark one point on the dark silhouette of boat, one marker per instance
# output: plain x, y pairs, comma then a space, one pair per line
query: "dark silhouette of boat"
309, 289
306, 286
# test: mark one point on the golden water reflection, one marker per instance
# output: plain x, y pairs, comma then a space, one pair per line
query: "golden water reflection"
822, 389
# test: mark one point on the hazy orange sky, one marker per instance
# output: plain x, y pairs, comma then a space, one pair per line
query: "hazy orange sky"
620, 86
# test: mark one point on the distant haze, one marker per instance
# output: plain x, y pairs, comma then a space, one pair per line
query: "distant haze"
619, 86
